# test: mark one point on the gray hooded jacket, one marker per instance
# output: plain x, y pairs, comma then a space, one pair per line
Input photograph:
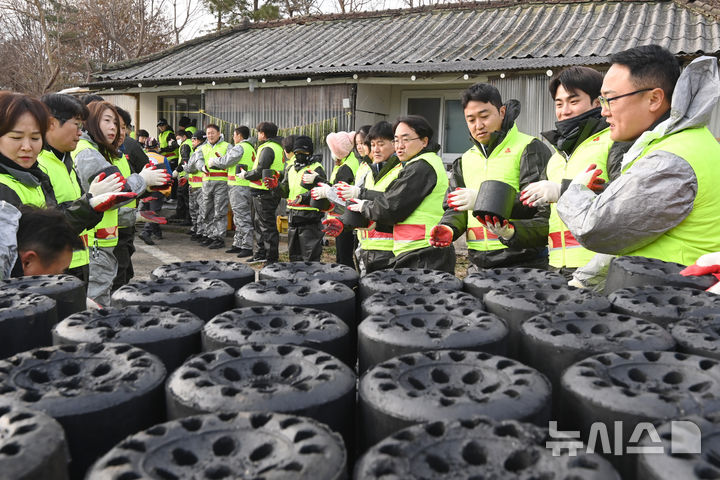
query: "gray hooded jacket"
657, 192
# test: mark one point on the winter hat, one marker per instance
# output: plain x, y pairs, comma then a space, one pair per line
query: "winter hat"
340, 144
199, 135
303, 144
162, 122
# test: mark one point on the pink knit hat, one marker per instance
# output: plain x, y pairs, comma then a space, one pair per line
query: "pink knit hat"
340, 144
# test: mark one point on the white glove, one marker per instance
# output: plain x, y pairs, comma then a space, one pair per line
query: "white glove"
154, 177
204, 169
210, 163
503, 229
709, 259
102, 184
321, 191
462, 199
241, 175
309, 177
540, 193
346, 191
175, 174
356, 205
576, 283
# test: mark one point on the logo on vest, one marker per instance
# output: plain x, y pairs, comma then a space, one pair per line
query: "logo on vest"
507, 150
596, 139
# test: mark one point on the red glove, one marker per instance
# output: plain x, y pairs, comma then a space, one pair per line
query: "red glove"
296, 202
590, 178
271, 182
708, 264
503, 229
106, 201
182, 181
333, 227
441, 236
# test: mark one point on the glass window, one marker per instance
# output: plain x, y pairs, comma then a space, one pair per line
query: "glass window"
457, 137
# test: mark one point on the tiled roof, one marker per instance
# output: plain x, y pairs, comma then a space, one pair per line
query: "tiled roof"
477, 37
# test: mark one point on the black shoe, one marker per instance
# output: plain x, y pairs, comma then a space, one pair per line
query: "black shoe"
269, 262
206, 241
217, 243
190, 231
195, 237
244, 253
157, 235
145, 237
257, 259
233, 249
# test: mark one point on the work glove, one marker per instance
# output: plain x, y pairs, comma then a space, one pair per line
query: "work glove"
241, 174
708, 264
204, 169
308, 178
356, 205
576, 283
321, 191
108, 200
175, 174
332, 226
271, 182
296, 202
590, 178
346, 191
540, 193
154, 177
504, 229
462, 199
441, 236
183, 181
106, 184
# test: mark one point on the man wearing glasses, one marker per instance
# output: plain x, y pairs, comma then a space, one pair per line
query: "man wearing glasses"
665, 204
500, 152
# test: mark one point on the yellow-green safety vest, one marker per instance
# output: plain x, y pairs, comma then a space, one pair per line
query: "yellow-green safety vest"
105, 233
28, 195
191, 131
503, 164
277, 163
246, 163
351, 161
413, 233
699, 232
187, 142
564, 249
295, 187
164, 141
208, 151
67, 189
370, 238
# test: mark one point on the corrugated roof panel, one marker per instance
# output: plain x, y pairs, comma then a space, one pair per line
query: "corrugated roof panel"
480, 38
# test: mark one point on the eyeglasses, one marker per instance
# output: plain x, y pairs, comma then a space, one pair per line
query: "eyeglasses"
404, 140
605, 102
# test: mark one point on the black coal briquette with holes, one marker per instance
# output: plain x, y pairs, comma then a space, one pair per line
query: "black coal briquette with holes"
204, 298
333, 297
271, 378
172, 334
551, 342
67, 291
310, 271
230, 446
100, 393
481, 282
448, 384
26, 320
631, 271
403, 330
402, 278
32, 444
515, 304
698, 336
664, 305
636, 386
689, 448
417, 295
280, 325
477, 448
235, 274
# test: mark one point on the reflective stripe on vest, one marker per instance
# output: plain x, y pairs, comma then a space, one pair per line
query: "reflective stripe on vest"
276, 165
67, 189
564, 249
351, 161
699, 232
371, 239
217, 150
294, 181
413, 232
106, 231
503, 164
246, 163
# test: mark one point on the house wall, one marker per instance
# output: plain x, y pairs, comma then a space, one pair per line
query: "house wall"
149, 112
372, 104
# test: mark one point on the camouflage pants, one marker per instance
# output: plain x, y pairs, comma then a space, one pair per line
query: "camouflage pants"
215, 195
241, 204
103, 268
195, 208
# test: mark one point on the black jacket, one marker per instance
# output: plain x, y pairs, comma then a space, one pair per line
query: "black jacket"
137, 158
299, 217
533, 162
79, 213
264, 161
533, 232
